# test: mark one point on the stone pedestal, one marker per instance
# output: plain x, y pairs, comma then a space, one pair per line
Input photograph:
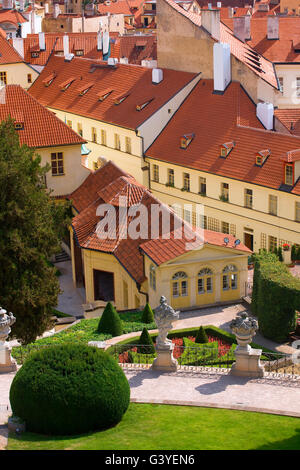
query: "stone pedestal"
165, 360
287, 256
247, 363
7, 364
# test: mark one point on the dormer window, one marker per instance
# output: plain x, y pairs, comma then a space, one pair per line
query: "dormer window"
185, 140
119, 99
34, 55
19, 126
47, 81
84, 89
79, 53
141, 106
226, 148
65, 85
289, 174
104, 94
261, 157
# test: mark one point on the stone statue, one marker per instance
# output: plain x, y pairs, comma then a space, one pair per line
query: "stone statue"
244, 328
7, 364
5, 323
164, 316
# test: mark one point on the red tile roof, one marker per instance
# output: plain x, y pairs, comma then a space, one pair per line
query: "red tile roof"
12, 16
237, 48
290, 118
41, 127
216, 119
121, 46
135, 81
275, 50
8, 55
105, 186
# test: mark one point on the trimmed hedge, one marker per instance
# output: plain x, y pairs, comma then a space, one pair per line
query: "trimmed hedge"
275, 297
69, 389
146, 345
110, 321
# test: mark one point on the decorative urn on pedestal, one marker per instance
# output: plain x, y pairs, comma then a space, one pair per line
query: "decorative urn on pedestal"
7, 364
164, 316
247, 359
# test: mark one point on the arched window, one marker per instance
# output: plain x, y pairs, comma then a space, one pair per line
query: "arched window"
229, 280
152, 277
205, 281
179, 284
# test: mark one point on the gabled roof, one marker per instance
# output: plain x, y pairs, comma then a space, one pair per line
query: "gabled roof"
105, 186
132, 80
8, 55
275, 50
290, 118
238, 49
216, 119
41, 127
12, 16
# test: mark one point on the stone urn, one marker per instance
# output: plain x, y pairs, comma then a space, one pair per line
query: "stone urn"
7, 364
247, 359
244, 329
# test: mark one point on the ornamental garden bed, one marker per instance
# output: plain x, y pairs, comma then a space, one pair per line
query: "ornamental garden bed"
217, 352
83, 332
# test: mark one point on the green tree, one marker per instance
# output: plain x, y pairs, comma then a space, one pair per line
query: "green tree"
147, 315
279, 253
110, 322
201, 336
147, 346
31, 225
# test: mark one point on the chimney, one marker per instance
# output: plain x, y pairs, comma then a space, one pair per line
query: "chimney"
32, 21
124, 60
219, 4
56, 10
99, 41
242, 27
273, 27
210, 20
18, 44
66, 44
222, 66
42, 43
265, 113
157, 76
22, 5
230, 12
105, 44
46, 8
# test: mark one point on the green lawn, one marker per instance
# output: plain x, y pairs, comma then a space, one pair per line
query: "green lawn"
166, 427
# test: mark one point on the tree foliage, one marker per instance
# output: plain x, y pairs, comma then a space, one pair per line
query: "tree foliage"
201, 336
31, 225
146, 345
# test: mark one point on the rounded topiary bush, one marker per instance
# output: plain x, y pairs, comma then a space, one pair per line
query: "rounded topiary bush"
110, 321
69, 389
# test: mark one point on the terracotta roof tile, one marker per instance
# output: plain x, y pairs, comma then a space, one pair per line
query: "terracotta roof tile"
109, 182
12, 16
237, 48
123, 79
41, 127
8, 55
216, 119
290, 118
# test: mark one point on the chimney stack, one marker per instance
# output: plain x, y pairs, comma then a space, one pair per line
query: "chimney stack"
157, 76
66, 44
265, 113
230, 12
42, 43
273, 27
56, 10
210, 20
18, 44
222, 66
242, 27
99, 41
